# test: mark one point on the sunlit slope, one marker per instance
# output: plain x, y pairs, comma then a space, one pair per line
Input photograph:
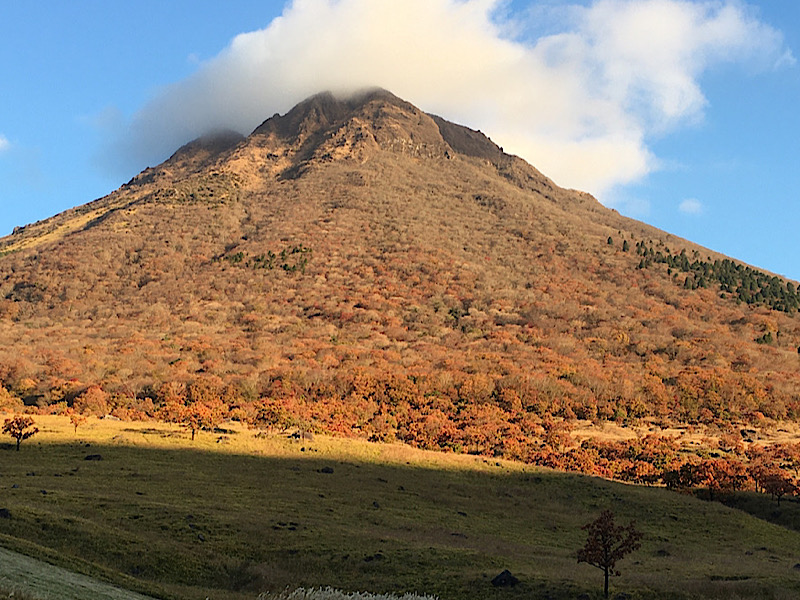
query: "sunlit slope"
363, 253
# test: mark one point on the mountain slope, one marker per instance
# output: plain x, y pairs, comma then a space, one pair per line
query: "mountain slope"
378, 271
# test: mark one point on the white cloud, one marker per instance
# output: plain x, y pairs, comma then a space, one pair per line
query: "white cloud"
631, 203
691, 206
580, 102
4, 143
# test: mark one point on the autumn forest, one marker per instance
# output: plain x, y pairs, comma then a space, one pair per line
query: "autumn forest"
363, 269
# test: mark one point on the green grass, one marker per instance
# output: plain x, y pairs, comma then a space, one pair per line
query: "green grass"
230, 520
786, 513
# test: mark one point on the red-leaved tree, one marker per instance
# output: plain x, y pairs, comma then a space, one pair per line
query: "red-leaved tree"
606, 543
201, 415
20, 428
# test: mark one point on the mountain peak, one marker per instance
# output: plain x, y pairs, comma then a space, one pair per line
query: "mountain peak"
324, 108
329, 127
324, 128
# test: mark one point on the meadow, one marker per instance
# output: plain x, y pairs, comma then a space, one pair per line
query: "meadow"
237, 513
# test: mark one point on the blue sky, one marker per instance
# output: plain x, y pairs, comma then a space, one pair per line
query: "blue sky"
681, 114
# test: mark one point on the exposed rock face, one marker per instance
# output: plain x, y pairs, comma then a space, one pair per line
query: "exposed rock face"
325, 128
322, 129
204, 151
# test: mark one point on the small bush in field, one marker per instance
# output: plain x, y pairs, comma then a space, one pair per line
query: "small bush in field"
76, 420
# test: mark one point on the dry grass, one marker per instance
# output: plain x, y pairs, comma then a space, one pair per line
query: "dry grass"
25, 578
706, 437
55, 231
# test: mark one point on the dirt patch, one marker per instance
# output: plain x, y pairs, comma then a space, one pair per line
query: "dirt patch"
769, 434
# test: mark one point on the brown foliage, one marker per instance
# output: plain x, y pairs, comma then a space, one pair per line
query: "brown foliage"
367, 287
77, 420
94, 401
607, 543
20, 428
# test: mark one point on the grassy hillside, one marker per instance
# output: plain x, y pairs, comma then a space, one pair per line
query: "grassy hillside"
234, 514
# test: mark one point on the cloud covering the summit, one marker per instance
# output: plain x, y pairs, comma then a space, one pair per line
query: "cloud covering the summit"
581, 101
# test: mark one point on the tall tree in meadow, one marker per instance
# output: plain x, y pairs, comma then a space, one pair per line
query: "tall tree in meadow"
607, 543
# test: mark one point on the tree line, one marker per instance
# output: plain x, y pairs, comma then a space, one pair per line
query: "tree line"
734, 280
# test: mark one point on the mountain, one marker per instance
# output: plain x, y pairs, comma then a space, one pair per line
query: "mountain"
359, 266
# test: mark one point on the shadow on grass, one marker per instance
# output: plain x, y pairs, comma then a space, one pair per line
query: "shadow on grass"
189, 524
785, 513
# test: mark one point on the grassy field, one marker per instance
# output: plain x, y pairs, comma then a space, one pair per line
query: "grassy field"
234, 514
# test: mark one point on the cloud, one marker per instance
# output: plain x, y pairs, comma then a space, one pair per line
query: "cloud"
579, 99
4, 143
690, 206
